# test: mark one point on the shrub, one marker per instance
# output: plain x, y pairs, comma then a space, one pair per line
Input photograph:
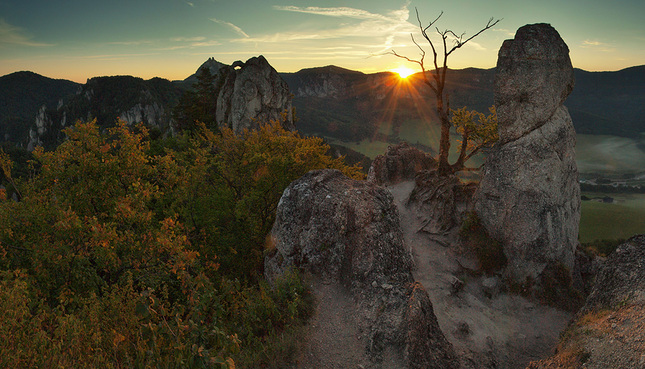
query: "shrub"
119, 256
602, 247
489, 251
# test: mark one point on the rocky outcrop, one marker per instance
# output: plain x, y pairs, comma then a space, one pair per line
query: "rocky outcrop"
149, 114
252, 94
622, 278
440, 201
529, 196
211, 64
608, 331
41, 123
400, 163
346, 234
324, 82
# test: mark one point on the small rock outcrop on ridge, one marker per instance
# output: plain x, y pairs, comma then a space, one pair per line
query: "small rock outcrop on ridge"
400, 163
529, 196
347, 235
252, 93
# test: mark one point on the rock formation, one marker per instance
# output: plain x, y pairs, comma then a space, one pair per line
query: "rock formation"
347, 235
622, 278
440, 201
400, 163
608, 331
251, 94
41, 123
529, 196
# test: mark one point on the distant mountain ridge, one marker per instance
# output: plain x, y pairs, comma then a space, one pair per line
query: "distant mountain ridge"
22, 94
329, 101
610, 103
107, 99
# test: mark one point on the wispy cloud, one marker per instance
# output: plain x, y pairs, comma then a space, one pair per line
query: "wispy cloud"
188, 39
13, 35
506, 32
597, 45
230, 25
333, 12
189, 43
590, 43
114, 56
131, 43
366, 25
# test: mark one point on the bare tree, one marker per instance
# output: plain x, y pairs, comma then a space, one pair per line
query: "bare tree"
437, 83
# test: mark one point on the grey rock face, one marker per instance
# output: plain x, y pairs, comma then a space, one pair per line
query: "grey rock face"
253, 94
42, 122
529, 196
622, 278
150, 114
346, 233
400, 163
534, 76
607, 332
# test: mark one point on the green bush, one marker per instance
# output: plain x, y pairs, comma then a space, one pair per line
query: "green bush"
555, 288
602, 247
489, 251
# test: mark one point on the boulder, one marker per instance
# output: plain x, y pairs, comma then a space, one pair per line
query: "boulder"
346, 234
621, 279
253, 93
400, 163
529, 196
608, 331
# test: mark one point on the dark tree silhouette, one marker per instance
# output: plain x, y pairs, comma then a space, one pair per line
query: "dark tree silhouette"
437, 83
198, 105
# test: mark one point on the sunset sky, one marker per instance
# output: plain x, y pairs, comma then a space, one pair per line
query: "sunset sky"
79, 39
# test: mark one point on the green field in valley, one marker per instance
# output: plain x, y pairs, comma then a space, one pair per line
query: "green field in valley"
622, 219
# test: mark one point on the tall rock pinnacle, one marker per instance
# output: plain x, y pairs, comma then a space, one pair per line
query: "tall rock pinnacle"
529, 196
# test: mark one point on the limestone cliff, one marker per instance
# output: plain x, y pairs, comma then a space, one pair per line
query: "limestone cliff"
529, 196
252, 93
107, 99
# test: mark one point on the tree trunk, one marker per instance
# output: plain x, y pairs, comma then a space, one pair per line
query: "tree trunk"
444, 142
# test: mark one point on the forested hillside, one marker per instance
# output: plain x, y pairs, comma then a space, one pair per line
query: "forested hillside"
22, 94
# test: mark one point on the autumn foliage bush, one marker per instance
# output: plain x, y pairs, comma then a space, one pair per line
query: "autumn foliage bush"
121, 256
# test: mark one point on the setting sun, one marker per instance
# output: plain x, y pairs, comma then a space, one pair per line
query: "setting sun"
403, 72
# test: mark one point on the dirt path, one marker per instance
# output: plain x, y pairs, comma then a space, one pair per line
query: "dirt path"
488, 330
334, 339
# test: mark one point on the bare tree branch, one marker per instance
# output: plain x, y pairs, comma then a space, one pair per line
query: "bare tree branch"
491, 23
438, 83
